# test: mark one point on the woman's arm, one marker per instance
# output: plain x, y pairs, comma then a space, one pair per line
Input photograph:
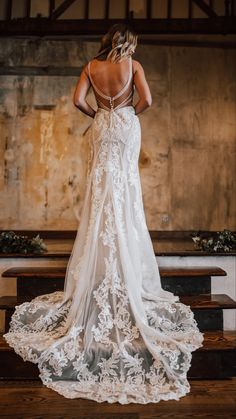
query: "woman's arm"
80, 94
145, 98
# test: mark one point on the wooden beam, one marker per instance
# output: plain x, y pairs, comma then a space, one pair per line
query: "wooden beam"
169, 9
44, 26
190, 9
8, 9
86, 9
227, 6
149, 9
39, 71
51, 7
107, 8
127, 8
62, 8
27, 8
232, 9
205, 7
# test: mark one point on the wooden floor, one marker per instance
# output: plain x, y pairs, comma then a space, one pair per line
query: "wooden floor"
207, 399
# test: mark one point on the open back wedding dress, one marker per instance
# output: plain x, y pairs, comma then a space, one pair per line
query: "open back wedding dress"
114, 334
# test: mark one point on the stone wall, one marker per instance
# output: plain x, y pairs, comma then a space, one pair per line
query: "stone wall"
188, 156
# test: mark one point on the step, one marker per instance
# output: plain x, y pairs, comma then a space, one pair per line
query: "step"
216, 359
187, 281
191, 280
165, 272
197, 302
208, 301
207, 308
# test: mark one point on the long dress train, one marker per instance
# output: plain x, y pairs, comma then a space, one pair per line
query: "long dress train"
113, 334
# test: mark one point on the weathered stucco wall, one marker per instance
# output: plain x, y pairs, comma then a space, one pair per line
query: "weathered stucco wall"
188, 154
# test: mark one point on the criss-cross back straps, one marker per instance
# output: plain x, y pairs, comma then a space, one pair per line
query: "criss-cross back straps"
120, 93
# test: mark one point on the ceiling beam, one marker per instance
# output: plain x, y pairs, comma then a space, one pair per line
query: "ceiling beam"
8, 9
205, 8
44, 26
62, 8
27, 8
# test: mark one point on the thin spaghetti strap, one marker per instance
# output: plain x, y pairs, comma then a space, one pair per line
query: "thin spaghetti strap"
88, 68
100, 93
127, 83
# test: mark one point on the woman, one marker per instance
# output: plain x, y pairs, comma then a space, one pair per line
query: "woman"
114, 334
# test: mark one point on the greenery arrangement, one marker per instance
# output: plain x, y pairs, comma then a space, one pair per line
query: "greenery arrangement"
221, 241
10, 242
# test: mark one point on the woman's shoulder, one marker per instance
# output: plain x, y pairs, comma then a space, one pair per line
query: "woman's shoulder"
86, 66
137, 66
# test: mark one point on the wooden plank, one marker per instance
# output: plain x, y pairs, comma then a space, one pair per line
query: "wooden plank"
190, 9
215, 359
70, 234
86, 10
173, 236
91, 27
207, 399
205, 8
127, 8
35, 272
59, 272
194, 271
206, 301
200, 302
221, 340
227, 7
8, 302
40, 71
107, 9
47, 255
51, 7
148, 9
62, 8
27, 8
169, 9
64, 254
232, 9
159, 250
8, 9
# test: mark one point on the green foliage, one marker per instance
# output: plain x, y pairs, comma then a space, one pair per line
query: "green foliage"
10, 242
221, 241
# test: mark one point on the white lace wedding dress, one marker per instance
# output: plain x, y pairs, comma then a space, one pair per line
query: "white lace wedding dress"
114, 334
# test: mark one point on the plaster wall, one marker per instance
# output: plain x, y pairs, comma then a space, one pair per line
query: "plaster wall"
188, 156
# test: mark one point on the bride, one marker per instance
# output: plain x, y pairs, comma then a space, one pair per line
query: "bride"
113, 334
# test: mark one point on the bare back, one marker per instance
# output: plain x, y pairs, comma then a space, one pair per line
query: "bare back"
112, 83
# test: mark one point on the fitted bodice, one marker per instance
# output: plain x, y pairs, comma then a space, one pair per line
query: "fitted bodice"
120, 99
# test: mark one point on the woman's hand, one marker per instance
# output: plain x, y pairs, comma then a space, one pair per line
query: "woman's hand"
145, 98
80, 94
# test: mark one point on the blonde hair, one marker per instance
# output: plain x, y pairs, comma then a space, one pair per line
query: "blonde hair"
118, 43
